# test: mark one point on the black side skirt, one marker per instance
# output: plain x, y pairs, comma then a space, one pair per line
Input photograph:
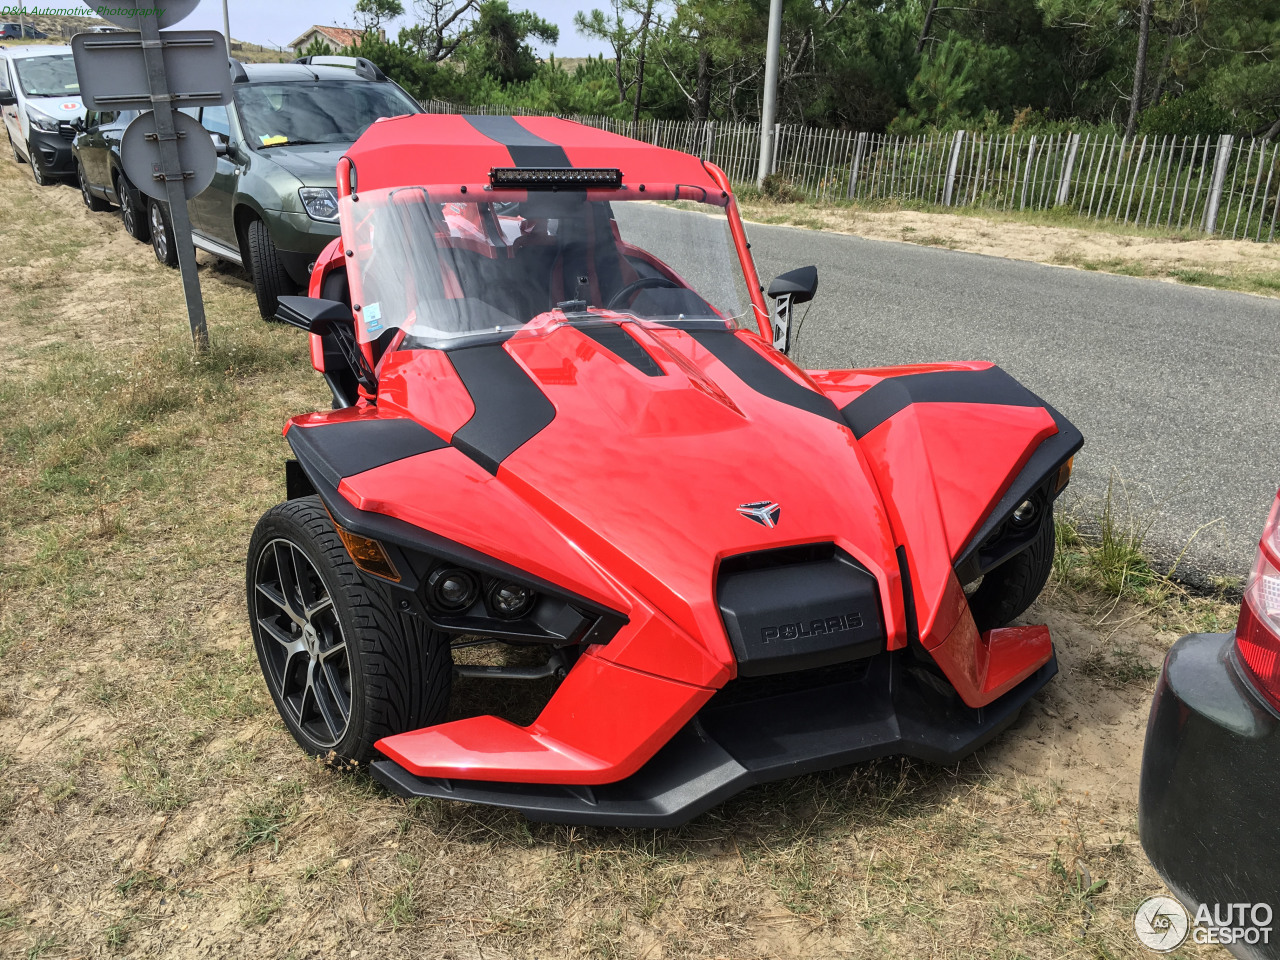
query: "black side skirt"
748, 735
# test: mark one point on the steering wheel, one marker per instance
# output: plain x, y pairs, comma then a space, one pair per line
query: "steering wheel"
635, 286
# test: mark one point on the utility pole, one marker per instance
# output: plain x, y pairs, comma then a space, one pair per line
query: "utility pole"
22, 21
770, 106
226, 24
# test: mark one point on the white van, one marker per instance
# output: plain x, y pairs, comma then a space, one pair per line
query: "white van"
40, 102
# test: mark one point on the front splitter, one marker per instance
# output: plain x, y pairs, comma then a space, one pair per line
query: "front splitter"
759, 730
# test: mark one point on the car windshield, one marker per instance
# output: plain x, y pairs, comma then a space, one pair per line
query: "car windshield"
443, 267
327, 111
52, 76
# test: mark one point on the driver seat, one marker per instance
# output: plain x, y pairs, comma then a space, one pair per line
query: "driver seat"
589, 251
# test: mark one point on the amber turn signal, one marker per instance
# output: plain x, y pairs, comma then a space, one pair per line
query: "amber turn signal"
368, 555
1064, 474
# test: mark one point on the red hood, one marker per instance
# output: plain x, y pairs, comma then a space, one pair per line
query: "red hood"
645, 474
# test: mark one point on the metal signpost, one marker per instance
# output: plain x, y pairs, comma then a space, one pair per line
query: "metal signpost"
169, 157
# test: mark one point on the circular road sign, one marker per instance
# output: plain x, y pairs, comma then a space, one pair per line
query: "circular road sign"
140, 155
123, 13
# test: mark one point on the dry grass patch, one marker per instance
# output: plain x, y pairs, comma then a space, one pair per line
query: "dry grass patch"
152, 805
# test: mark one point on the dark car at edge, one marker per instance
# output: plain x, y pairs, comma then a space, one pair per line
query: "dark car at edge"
1211, 763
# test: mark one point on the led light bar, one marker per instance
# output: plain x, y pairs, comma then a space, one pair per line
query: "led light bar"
554, 178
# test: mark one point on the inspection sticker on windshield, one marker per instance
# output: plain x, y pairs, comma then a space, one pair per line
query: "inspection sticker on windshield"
373, 317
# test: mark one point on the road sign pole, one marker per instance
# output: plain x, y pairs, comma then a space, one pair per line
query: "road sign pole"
172, 172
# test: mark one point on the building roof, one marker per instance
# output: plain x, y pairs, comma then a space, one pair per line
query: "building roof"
338, 36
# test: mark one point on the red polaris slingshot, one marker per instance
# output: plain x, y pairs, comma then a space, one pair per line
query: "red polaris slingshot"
564, 419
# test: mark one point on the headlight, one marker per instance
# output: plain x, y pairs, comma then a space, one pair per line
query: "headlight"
321, 203
42, 122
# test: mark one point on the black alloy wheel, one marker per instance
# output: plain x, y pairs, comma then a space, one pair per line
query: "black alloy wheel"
304, 654
344, 662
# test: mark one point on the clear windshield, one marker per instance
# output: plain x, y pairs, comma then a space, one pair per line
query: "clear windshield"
52, 76
331, 111
448, 268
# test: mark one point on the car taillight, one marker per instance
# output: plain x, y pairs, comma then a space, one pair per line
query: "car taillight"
1258, 632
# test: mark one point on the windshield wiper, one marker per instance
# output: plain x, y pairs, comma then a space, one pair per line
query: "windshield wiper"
292, 143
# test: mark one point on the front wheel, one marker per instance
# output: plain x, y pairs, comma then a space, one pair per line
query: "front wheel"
344, 666
270, 279
37, 171
95, 204
133, 213
1006, 592
17, 157
162, 240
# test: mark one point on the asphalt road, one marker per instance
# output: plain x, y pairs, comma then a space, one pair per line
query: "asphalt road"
1176, 388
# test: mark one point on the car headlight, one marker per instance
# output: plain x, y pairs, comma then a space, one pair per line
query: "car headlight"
321, 203
42, 122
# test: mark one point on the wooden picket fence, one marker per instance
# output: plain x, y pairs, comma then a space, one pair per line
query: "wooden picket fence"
1222, 185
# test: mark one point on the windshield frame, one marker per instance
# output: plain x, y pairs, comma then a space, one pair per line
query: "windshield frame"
253, 138
737, 276
22, 81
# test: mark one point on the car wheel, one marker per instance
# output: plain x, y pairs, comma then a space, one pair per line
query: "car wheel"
96, 204
17, 157
42, 179
270, 279
344, 667
132, 210
162, 241
1005, 592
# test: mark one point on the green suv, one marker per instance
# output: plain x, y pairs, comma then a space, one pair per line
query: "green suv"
273, 206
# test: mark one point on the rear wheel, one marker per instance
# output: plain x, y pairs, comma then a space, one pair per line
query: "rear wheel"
96, 204
344, 667
270, 279
132, 210
161, 227
1006, 592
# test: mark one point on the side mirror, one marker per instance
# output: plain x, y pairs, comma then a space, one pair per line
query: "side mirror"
8, 98
334, 323
791, 288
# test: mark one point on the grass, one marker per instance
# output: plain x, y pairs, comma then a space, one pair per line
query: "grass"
143, 769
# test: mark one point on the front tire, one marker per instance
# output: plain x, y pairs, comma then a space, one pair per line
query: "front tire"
37, 171
344, 667
270, 279
1007, 591
17, 157
161, 227
133, 212
95, 204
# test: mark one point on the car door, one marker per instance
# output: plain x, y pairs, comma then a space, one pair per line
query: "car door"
92, 148
211, 210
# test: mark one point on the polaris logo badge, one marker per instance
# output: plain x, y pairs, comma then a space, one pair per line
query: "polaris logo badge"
763, 512
810, 628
